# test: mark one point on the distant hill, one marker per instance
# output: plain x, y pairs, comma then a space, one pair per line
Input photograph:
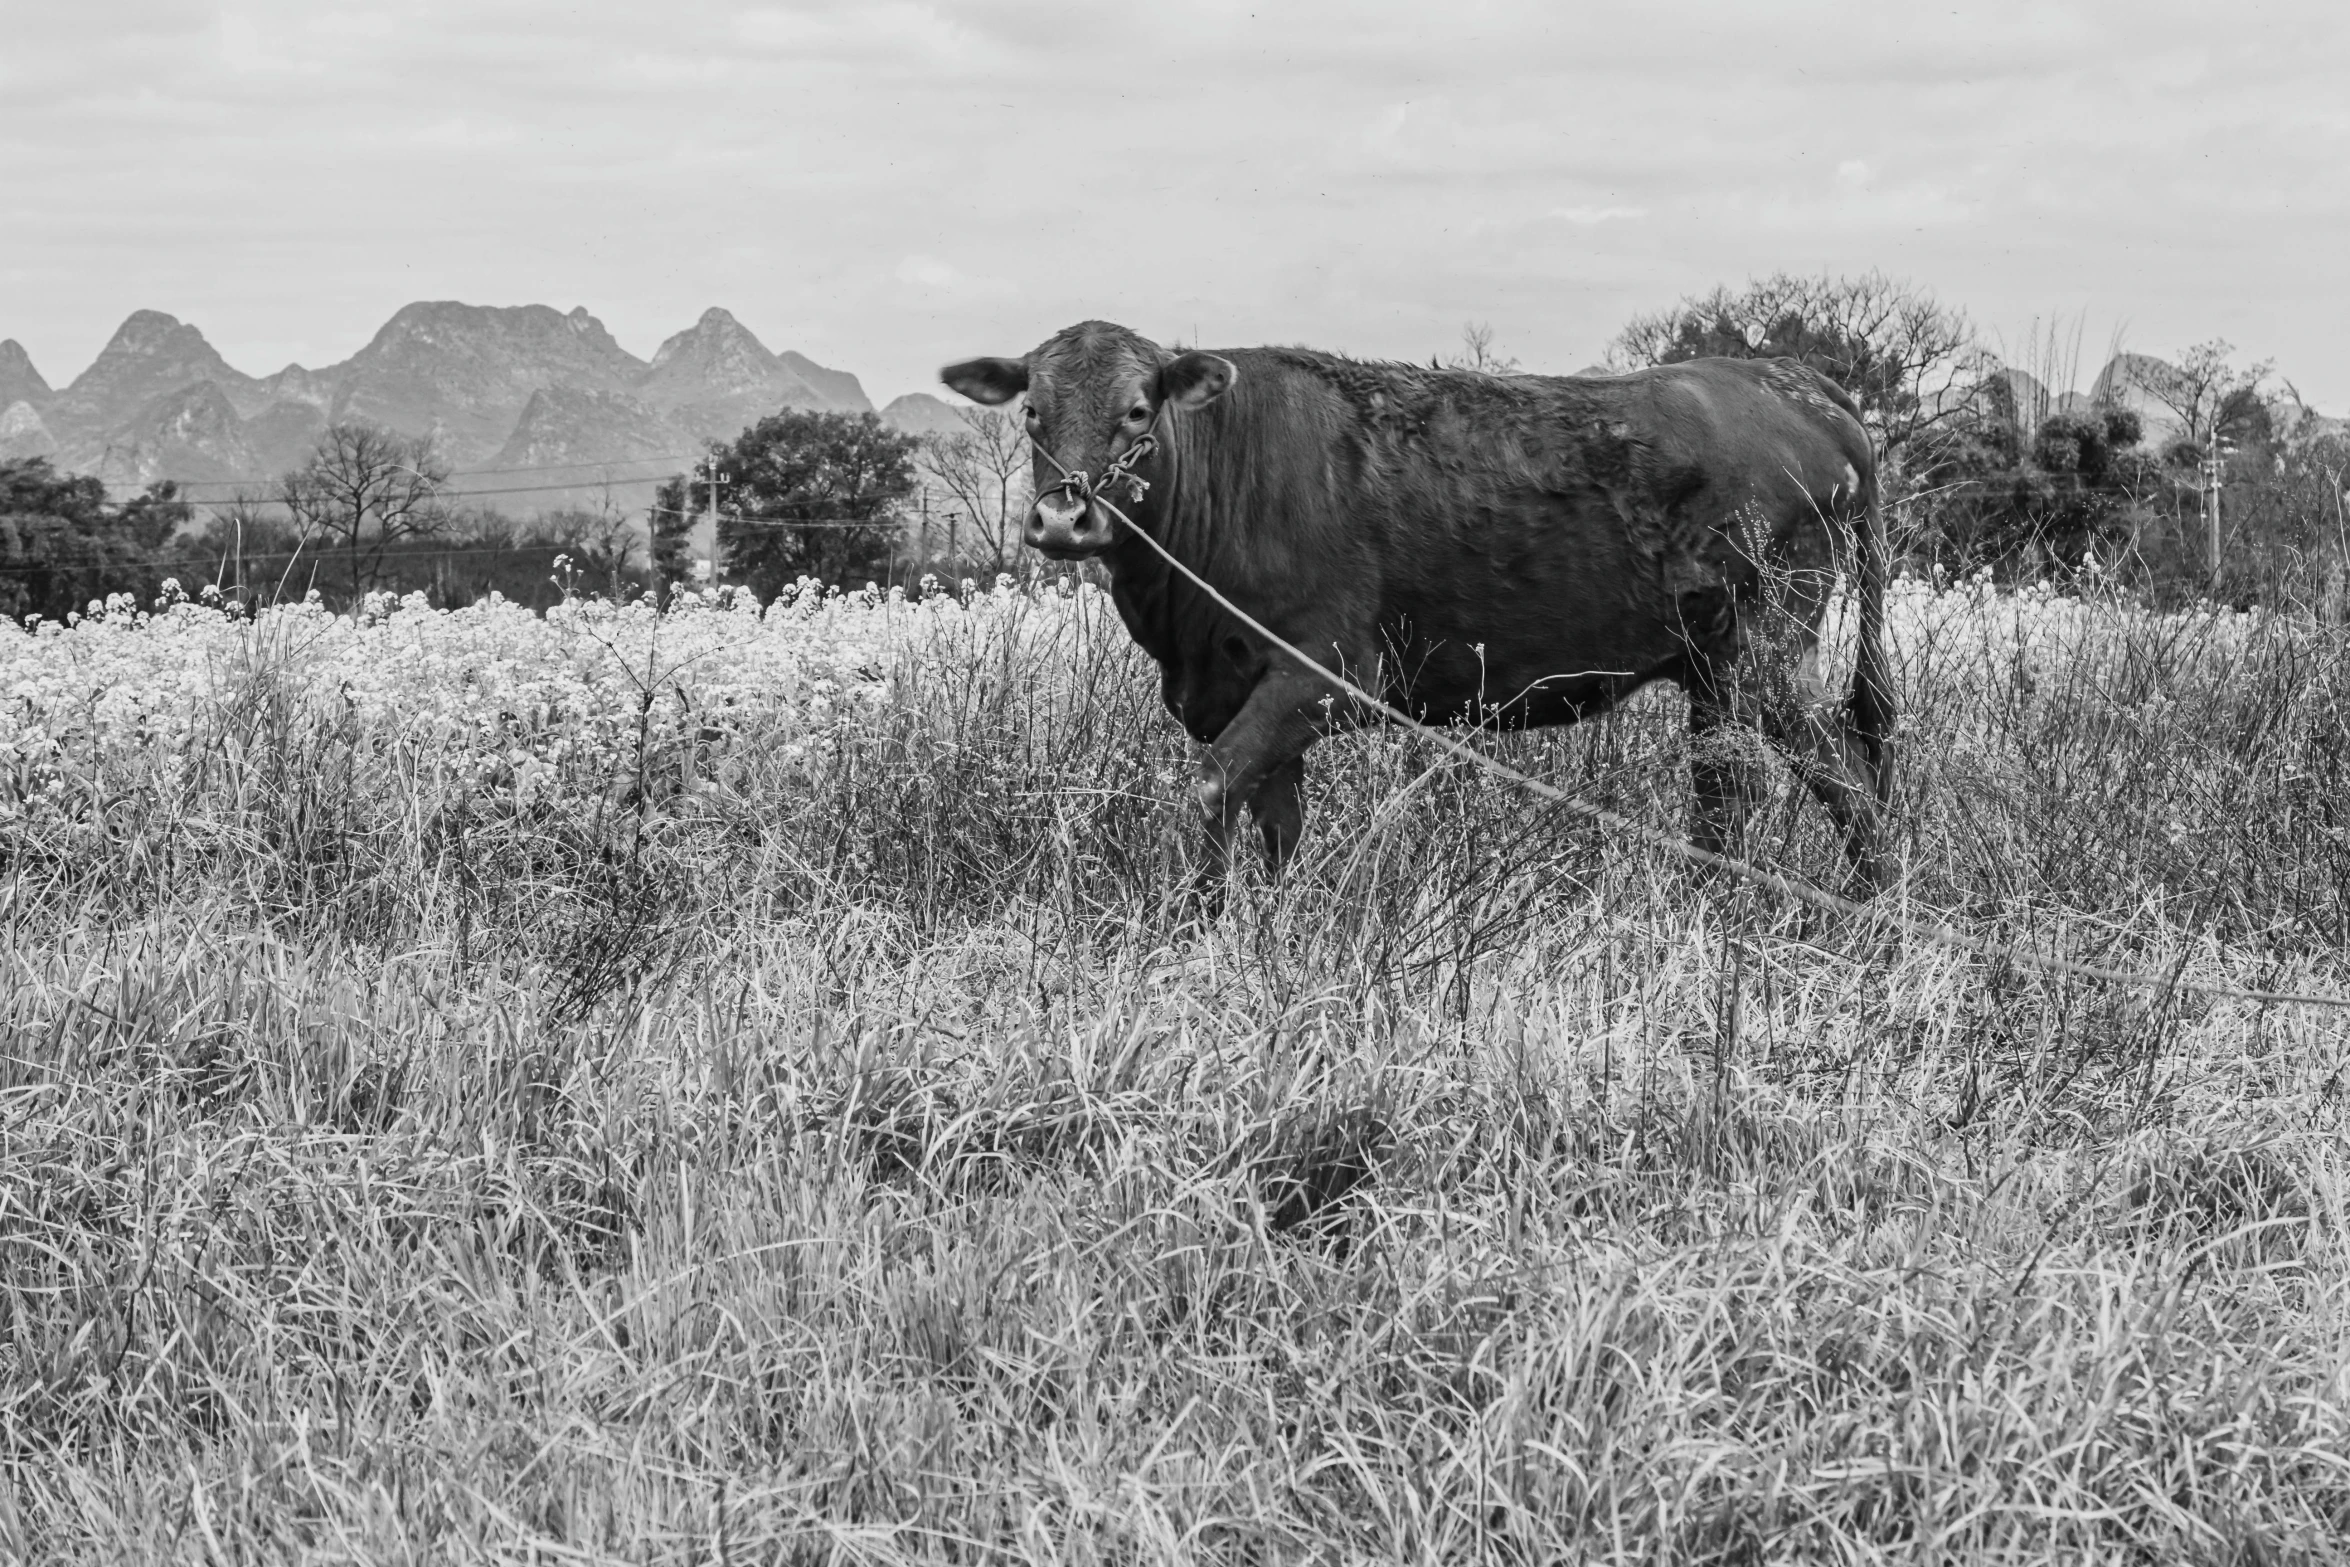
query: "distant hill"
2134, 381
19, 381
2030, 396
2128, 381
466, 372
716, 377
505, 387
568, 427
22, 434
2303, 423
838, 387
151, 354
191, 434
919, 413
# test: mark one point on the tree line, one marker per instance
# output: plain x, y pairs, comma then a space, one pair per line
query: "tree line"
1992, 460
1988, 460
370, 510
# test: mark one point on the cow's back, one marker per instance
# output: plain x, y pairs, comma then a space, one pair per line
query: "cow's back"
1488, 538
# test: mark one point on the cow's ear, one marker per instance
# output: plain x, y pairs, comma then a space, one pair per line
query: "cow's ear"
989, 381
1195, 380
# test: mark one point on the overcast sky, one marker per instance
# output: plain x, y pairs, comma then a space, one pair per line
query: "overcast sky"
888, 186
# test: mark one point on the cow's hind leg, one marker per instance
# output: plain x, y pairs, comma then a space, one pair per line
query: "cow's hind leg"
1830, 759
1762, 669
1780, 679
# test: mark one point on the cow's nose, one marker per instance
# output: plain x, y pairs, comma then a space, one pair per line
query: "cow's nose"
1065, 523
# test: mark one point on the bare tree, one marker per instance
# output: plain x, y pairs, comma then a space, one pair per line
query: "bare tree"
983, 471
1909, 362
364, 490
2212, 397
2217, 405
1478, 353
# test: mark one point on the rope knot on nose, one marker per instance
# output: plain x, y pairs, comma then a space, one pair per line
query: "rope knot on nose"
1118, 475
1121, 470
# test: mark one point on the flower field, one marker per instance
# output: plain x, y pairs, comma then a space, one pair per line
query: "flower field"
745, 1084
528, 708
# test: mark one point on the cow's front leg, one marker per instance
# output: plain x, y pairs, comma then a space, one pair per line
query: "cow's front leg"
1258, 761
1280, 811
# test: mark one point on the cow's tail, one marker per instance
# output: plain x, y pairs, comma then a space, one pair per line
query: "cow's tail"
1871, 703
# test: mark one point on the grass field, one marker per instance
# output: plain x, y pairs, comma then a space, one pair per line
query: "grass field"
724, 1088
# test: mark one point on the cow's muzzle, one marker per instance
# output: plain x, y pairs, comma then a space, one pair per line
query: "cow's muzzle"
1063, 524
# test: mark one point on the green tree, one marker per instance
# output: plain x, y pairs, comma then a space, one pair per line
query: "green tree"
669, 527
62, 543
813, 494
2282, 508
2009, 487
2216, 401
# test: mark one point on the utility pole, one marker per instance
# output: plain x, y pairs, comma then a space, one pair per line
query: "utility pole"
710, 472
2210, 467
2214, 468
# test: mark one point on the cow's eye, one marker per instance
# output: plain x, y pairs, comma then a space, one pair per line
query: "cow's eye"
1138, 413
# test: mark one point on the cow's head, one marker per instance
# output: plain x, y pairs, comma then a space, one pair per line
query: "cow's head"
1093, 390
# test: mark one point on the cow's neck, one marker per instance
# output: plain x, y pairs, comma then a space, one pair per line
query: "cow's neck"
1156, 601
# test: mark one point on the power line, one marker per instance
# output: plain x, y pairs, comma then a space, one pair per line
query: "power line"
550, 467
470, 473
535, 489
1948, 487
328, 552
326, 556
790, 522
459, 495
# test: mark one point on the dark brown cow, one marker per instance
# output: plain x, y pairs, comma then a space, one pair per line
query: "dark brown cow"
1479, 549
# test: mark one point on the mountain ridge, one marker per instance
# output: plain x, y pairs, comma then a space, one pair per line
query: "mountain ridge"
919, 413
504, 385
22, 434
20, 381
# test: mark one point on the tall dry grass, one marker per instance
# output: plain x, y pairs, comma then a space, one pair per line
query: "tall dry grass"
782, 1152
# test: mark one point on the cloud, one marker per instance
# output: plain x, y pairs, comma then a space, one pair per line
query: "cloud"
245, 47
936, 276
458, 133
928, 272
871, 35
1586, 217
916, 178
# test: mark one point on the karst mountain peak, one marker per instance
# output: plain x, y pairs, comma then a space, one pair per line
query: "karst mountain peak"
495, 385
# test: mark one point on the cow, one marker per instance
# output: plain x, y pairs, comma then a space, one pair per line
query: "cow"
1483, 550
